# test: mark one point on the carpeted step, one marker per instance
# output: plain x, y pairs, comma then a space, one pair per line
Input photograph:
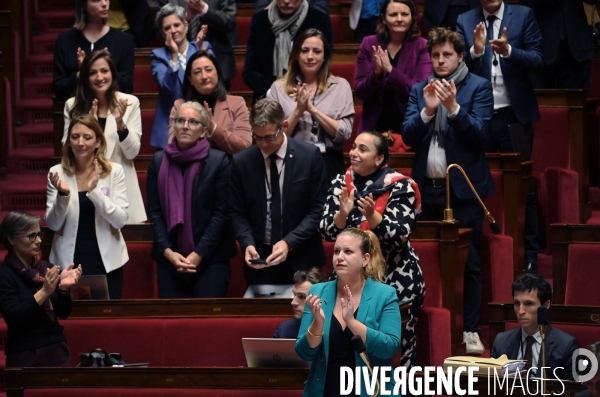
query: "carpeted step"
37, 87
35, 136
33, 111
54, 21
24, 192
30, 161
38, 65
44, 43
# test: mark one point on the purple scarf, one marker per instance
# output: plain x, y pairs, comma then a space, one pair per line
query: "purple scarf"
34, 275
174, 185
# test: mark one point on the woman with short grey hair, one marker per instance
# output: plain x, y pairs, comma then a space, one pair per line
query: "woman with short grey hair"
168, 65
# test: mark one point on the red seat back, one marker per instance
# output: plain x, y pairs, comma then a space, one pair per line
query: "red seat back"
336, 28
582, 268
143, 82
147, 125
237, 83
243, 29
139, 273
429, 256
551, 142
345, 70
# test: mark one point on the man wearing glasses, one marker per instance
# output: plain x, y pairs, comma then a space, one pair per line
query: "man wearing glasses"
278, 189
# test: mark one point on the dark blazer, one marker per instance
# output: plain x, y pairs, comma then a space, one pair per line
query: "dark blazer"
304, 190
378, 310
414, 65
220, 20
29, 327
526, 41
321, 5
465, 135
258, 67
577, 31
559, 350
434, 11
139, 18
288, 329
213, 235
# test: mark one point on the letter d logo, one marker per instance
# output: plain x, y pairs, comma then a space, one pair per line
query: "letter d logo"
581, 364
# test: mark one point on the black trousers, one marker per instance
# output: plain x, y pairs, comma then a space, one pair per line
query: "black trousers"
470, 215
564, 72
366, 27
499, 140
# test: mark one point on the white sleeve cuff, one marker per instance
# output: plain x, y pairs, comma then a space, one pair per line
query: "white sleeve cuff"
453, 115
426, 119
473, 55
174, 66
509, 52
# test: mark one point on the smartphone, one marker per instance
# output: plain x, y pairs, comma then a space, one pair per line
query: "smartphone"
258, 261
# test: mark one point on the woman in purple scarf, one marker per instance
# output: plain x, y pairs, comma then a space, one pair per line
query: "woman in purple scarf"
188, 198
33, 293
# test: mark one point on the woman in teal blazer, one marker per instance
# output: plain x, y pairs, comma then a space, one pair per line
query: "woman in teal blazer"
357, 303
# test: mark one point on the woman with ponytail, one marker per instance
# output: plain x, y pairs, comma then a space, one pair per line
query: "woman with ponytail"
357, 303
372, 196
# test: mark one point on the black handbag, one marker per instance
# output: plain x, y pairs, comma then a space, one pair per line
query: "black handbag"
100, 358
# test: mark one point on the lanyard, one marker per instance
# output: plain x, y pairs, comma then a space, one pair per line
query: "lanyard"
278, 176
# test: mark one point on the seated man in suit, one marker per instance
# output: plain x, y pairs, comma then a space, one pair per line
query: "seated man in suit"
303, 280
272, 32
446, 122
531, 291
593, 385
278, 189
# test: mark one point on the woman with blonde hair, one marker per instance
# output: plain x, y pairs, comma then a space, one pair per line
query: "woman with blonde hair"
87, 205
357, 303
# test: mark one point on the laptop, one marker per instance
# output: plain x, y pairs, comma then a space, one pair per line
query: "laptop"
272, 353
519, 141
269, 291
90, 287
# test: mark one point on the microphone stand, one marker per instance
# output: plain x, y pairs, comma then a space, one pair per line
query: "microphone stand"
449, 214
543, 351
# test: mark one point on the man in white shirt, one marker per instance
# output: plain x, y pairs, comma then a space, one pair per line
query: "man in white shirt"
531, 291
446, 123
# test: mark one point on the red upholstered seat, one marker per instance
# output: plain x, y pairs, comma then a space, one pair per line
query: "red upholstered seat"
147, 392
582, 268
585, 334
170, 342
433, 336
147, 125
345, 70
328, 247
143, 82
429, 255
139, 274
243, 27
237, 83
336, 29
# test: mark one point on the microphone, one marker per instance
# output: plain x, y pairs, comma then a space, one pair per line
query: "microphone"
542, 319
448, 213
360, 348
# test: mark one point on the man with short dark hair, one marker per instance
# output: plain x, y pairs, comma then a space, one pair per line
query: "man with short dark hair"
446, 122
531, 291
278, 189
303, 280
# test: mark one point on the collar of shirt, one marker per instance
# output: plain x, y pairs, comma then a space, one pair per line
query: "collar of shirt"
182, 56
281, 151
537, 336
499, 14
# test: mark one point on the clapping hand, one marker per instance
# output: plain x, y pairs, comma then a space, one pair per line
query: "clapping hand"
479, 38
200, 37
386, 65
431, 99
51, 280
80, 56
377, 61
59, 185
94, 109
500, 45
446, 93
303, 98
70, 276
211, 122
170, 44
315, 304
347, 306
366, 206
94, 177
120, 110
346, 202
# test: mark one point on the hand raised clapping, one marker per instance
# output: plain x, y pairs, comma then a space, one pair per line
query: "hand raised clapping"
70, 276
366, 206
51, 280
346, 202
94, 109
200, 37
94, 177
120, 110
315, 304
347, 306
59, 185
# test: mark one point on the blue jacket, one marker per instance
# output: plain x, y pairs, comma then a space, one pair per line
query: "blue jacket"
378, 311
525, 40
465, 135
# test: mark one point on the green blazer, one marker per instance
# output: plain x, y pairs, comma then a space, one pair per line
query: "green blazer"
378, 311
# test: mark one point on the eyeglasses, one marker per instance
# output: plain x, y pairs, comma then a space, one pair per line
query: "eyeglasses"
193, 123
268, 138
33, 236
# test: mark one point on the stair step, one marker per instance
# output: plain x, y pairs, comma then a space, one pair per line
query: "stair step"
34, 111
38, 87
38, 65
30, 161
35, 135
54, 21
23, 192
44, 43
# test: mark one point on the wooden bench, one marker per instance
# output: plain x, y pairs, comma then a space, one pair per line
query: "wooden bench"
575, 271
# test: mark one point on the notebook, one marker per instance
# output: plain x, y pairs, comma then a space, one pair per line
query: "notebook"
90, 287
272, 352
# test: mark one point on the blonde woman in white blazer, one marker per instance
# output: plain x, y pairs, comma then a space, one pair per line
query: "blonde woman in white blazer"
87, 205
119, 116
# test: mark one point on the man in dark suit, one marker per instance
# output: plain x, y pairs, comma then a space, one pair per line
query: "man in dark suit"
445, 12
278, 189
321, 5
446, 122
568, 43
267, 54
303, 280
504, 44
531, 291
219, 17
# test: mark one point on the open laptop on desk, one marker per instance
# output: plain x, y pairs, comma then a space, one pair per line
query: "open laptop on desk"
90, 287
272, 352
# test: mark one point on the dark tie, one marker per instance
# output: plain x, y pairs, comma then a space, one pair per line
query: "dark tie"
528, 351
275, 201
490, 27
